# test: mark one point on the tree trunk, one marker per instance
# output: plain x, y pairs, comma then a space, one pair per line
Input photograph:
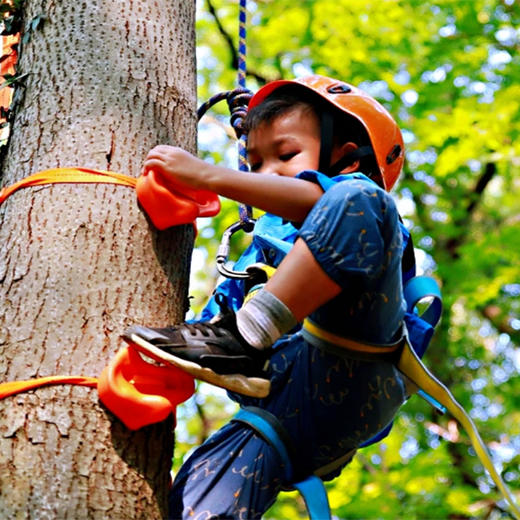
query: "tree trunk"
108, 80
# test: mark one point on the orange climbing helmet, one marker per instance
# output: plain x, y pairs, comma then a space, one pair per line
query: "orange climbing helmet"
384, 134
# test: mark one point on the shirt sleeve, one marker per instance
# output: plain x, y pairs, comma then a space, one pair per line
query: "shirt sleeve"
353, 231
326, 182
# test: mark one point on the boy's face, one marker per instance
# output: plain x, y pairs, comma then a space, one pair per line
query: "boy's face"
287, 145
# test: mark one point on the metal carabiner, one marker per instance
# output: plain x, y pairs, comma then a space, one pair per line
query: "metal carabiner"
224, 248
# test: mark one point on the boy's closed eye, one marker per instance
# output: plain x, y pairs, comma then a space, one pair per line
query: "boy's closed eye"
287, 156
284, 157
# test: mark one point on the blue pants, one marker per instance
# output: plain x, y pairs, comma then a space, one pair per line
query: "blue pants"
328, 404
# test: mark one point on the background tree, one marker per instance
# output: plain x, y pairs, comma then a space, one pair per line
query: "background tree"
100, 83
450, 72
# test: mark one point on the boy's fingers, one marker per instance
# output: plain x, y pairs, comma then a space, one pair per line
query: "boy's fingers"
150, 164
155, 154
161, 148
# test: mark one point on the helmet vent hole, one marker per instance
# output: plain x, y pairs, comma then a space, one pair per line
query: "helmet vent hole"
394, 154
339, 88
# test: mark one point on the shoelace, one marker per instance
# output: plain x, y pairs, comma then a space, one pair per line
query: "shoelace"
204, 328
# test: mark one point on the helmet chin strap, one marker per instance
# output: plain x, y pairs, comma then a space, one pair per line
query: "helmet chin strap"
327, 140
327, 144
350, 158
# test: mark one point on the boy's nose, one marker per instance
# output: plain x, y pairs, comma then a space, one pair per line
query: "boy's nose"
263, 169
268, 167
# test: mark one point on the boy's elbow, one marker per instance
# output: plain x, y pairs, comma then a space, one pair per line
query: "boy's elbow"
301, 211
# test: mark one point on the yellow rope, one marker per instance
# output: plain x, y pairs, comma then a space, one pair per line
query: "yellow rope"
413, 368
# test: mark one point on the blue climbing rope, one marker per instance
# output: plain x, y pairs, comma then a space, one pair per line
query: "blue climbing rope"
245, 212
238, 100
242, 49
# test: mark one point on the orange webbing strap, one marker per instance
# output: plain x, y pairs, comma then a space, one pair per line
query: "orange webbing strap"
17, 387
137, 392
141, 393
68, 175
166, 203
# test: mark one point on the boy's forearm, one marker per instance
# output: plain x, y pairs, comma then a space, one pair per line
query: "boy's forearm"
287, 197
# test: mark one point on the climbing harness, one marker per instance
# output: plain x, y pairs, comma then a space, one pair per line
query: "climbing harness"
406, 354
388, 149
271, 430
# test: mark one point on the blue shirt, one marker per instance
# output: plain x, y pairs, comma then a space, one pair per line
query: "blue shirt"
371, 248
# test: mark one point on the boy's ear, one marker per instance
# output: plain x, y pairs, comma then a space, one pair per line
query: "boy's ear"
343, 151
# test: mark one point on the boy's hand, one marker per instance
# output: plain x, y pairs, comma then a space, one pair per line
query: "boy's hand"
176, 164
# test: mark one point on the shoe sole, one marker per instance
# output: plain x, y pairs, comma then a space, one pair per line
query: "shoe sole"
250, 386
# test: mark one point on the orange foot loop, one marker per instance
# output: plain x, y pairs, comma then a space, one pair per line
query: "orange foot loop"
140, 393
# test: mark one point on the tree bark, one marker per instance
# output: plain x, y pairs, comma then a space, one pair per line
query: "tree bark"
108, 80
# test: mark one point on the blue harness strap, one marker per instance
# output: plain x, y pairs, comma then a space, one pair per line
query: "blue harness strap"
419, 288
271, 430
416, 290
313, 492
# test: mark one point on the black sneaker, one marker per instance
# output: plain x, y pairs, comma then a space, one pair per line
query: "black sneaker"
213, 351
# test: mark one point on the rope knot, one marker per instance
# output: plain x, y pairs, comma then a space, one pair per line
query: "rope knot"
238, 100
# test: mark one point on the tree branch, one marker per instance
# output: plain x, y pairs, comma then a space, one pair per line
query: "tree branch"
489, 172
231, 45
476, 196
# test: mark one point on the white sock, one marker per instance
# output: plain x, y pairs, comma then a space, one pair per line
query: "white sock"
263, 319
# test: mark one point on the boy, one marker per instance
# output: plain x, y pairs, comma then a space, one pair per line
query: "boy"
342, 276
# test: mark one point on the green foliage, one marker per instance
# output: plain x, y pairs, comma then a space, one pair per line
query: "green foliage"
11, 16
450, 72
11, 80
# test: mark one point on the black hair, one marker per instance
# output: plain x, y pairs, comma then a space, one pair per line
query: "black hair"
346, 128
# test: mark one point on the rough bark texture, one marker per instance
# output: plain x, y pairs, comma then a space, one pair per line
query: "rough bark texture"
107, 81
